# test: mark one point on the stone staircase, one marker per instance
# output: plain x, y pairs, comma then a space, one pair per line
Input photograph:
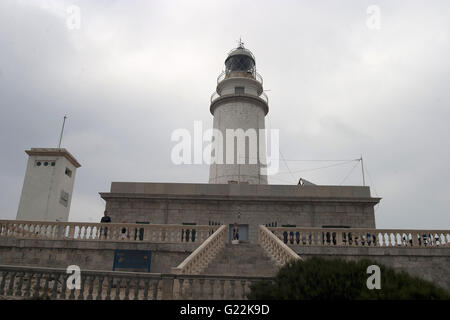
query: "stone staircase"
243, 259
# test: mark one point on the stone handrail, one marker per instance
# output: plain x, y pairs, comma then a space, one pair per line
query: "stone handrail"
214, 287
294, 237
155, 233
202, 256
23, 282
275, 248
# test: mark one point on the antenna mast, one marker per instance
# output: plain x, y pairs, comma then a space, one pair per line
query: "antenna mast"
62, 131
241, 44
362, 170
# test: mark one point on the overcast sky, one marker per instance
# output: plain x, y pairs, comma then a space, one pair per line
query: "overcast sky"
137, 70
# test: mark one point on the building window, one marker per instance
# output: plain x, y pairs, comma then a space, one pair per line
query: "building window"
64, 198
68, 172
239, 90
45, 163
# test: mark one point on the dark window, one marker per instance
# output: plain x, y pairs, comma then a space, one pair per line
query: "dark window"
53, 163
38, 163
240, 63
68, 172
239, 90
64, 199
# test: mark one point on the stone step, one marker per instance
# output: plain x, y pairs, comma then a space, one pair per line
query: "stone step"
245, 259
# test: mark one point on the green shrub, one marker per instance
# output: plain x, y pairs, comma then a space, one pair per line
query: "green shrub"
337, 279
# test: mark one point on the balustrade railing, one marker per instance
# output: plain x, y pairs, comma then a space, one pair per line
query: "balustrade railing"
51, 283
275, 248
19, 282
214, 287
363, 237
159, 233
202, 256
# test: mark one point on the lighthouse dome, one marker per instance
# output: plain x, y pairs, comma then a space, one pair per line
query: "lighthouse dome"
240, 59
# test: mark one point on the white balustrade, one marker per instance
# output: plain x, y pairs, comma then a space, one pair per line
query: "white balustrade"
23, 282
275, 248
198, 260
399, 238
160, 233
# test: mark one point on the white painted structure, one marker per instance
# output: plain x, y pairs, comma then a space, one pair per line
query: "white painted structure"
48, 185
239, 103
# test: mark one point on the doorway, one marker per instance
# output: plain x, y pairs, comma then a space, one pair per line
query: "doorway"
243, 232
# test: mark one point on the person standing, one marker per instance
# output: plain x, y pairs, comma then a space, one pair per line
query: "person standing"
235, 231
124, 232
105, 219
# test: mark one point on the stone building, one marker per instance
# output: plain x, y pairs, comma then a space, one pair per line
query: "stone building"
249, 205
238, 191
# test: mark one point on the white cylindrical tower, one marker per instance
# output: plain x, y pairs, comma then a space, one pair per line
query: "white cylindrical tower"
239, 106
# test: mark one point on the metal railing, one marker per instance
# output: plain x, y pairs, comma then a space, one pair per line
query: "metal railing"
264, 97
229, 74
214, 96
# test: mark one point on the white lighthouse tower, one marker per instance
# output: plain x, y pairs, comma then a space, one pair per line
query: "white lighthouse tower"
239, 106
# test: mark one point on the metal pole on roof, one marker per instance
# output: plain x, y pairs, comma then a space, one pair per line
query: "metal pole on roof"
362, 170
62, 131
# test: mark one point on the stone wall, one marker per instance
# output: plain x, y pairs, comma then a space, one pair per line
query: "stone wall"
88, 255
305, 206
428, 263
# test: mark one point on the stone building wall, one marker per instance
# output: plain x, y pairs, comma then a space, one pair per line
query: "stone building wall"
88, 255
203, 204
427, 263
